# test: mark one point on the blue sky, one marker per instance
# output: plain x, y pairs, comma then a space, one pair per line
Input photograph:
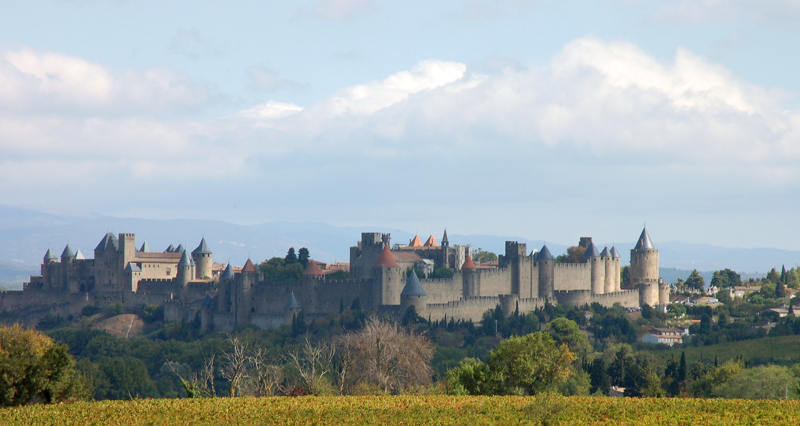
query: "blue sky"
542, 119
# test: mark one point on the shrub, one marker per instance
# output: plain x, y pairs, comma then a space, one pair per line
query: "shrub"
114, 310
34, 368
88, 311
152, 313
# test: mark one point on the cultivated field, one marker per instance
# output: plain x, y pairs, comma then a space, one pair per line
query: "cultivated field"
410, 410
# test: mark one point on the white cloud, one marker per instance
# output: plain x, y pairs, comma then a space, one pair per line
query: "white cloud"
270, 110
265, 78
45, 82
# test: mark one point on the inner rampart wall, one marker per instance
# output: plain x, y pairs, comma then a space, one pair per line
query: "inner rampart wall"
626, 298
572, 276
470, 308
443, 290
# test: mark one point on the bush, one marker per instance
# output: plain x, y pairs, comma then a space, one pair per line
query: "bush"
152, 313
114, 310
88, 311
34, 368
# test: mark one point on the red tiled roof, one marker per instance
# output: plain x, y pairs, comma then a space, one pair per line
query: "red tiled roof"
313, 269
248, 266
431, 242
416, 242
386, 259
468, 264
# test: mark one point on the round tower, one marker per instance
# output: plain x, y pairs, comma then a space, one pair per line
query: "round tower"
617, 259
546, 263
663, 293
67, 255
184, 270
598, 268
203, 261
414, 295
470, 282
389, 279
644, 270
291, 310
206, 312
608, 266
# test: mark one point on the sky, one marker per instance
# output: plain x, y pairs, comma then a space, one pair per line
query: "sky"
540, 119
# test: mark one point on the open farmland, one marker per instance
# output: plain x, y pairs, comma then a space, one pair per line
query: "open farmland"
409, 410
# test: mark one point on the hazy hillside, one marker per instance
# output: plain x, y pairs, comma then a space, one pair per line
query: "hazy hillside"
26, 234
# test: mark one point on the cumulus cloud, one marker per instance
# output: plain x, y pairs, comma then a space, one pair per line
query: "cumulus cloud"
40, 81
685, 127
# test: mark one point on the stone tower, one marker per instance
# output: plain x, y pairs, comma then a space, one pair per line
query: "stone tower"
291, 310
608, 261
616, 260
414, 295
387, 272
598, 268
202, 259
546, 263
644, 270
470, 283
184, 271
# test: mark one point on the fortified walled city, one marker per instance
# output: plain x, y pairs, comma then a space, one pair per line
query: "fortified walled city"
189, 285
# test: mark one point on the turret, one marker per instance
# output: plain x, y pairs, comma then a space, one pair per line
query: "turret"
471, 285
608, 266
617, 259
145, 248
291, 310
67, 255
597, 267
184, 270
227, 289
49, 257
644, 270
202, 259
445, 241
413, 295
546, 263
390, 277
206, 313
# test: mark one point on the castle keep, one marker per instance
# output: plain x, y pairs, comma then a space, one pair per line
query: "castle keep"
189, 286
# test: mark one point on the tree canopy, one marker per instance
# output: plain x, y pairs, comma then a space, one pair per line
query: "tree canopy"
574, 254
695, 281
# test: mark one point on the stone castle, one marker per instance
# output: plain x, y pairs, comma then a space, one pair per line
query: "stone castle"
190, 286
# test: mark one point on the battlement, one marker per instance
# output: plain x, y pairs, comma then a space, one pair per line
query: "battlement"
615, 294
571, 265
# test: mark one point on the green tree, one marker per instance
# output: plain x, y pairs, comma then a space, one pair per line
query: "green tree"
762, 382
773, 276
599, 377
443, 273
123, 378
565, 331
574, 254
695, 281
726, 278
724, 296
32, 367
625, 276
303, 256
528, 365
482, 255
277, 269
471, 377
291, 256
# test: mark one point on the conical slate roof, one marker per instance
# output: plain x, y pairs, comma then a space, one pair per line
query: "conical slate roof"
202, 248
67, 253
207, 301
49, 256
544, 254
468, 263
79, 255
386, 259
227, 274
170, 249
179, 249
313, 270
605, 252
248, 266
591, 252
413, 286
644, 241
292, 303
431, 242
444, 237
109, 242
185, 261
615, 253
145, 247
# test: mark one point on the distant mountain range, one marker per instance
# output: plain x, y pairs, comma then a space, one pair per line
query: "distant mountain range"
26, 234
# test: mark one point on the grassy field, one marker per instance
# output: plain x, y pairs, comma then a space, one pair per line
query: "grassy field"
783, 350
410, 410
